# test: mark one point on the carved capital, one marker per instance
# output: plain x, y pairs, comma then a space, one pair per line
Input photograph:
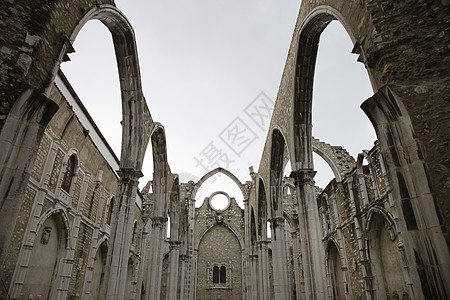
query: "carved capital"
184, 257
303, 176
129, 175
158, 221
174, 245
277, 222
263, 244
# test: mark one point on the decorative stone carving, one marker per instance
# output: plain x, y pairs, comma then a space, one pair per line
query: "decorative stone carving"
219, 218
46, 235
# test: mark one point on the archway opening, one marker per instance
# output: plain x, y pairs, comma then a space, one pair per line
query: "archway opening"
341, 84
324, 173
277, 165
263, 227
98, 271
92, 72
336, 277
41, 275
385, 259
219, 182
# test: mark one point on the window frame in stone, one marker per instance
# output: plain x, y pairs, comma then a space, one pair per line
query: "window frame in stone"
219, 276
133, 237
69, 173
110, 211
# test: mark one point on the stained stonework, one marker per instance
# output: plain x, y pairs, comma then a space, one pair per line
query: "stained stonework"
80, 261
219, 246
19, 231
378, 230
77, 192
54, 175
80, 228
41, 157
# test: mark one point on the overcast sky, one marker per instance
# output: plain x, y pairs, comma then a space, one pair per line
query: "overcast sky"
203, 62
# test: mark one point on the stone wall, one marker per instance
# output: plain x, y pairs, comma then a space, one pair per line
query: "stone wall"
82, 211
31, 40
347, 211
219, 246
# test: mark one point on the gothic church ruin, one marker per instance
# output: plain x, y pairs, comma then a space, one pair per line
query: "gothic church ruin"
73, 224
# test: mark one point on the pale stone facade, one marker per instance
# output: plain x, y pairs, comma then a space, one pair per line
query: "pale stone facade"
59, 245
73, 224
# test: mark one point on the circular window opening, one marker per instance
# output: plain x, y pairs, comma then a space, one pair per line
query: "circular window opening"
219, 202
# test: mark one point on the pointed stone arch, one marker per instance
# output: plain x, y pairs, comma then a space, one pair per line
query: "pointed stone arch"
308, 36
175, 209
63, 218
33, 258
33, 110
386, 215
262, 209
136, 118
277, 158
161, 170
227, 225
339, 160
336, 270
386, 254
214, 172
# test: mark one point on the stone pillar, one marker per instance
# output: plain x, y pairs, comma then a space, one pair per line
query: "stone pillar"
191, 258
246, 253
184, 260
364, 261
313, 255
153, 286
87, 287
115, 281
20, 138
174, 262
297, 271
193, 276
279, 258
264, 282
254, 278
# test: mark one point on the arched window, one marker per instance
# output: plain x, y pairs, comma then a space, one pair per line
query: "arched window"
70, 172
216, 274
110, 211
219, 274
223, 274
133, 238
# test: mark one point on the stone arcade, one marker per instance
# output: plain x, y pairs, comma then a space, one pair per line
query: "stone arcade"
73, 224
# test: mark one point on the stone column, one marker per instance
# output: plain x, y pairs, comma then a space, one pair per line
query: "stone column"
20, 138
297, 271
184, 259
191, 258
313, 255
174, 262
264, 270
193, 276
115, 281
279, 258
254, 278
153, 286
246, 252
364, 261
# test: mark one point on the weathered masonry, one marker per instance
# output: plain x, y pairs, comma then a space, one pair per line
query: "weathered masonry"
73, 224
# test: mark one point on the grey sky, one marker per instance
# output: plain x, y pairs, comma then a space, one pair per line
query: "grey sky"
202, 62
